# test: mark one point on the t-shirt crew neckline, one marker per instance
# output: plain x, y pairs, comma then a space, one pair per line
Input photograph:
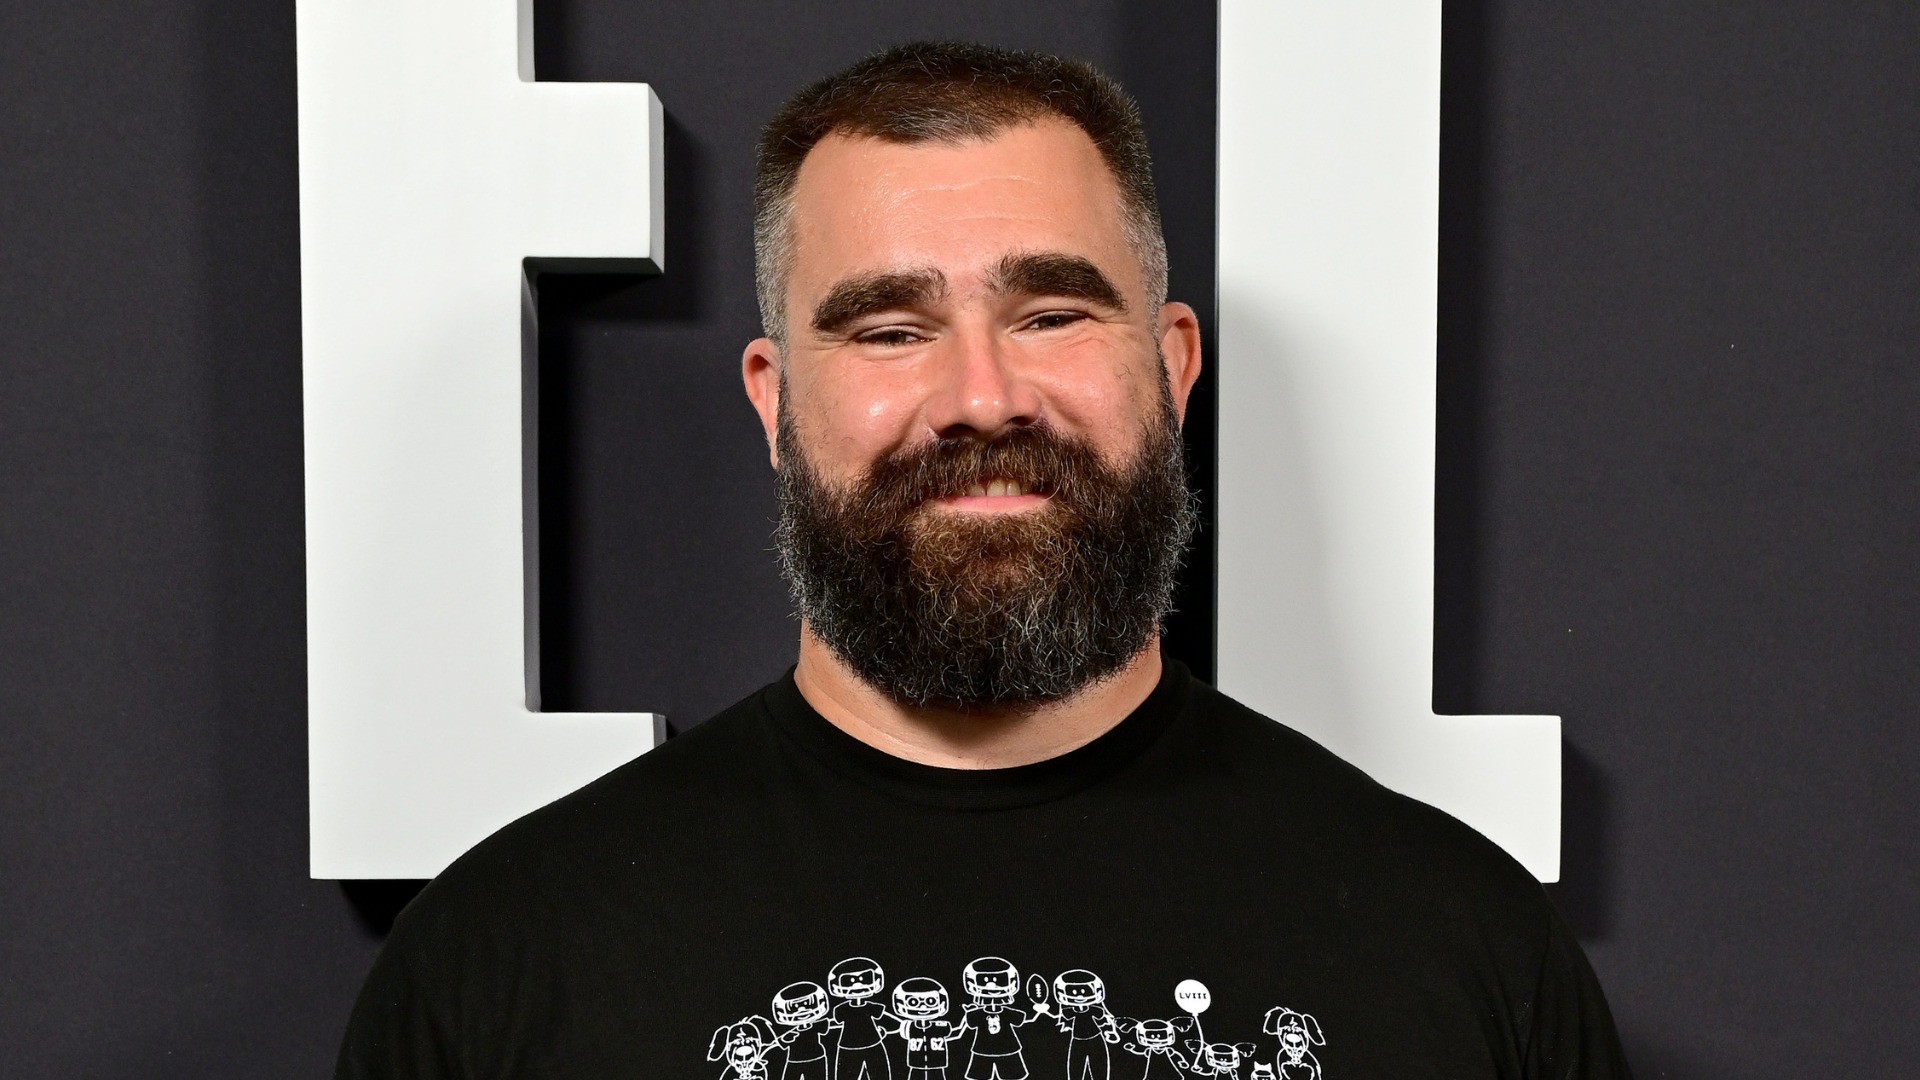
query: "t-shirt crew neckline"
979, 789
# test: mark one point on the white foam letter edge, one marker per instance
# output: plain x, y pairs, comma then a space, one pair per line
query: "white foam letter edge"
1329, 234
431, 168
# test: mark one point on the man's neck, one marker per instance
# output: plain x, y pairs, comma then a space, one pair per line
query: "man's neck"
981, 738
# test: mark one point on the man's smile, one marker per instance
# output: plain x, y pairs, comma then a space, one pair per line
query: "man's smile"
997, 495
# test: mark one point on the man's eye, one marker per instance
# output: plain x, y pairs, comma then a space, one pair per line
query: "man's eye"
1053, 320
887, 335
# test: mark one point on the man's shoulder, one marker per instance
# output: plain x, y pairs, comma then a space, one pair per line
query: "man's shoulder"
1321, 806
686, 776
656, 807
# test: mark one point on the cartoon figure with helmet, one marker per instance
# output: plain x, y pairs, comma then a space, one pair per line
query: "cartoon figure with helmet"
1156, 1041
1224, 1060
921, 1006
802, 1009
862, 1055
1089, 1025
992, 985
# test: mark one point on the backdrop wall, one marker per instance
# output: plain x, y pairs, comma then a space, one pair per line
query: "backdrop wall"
1678, 454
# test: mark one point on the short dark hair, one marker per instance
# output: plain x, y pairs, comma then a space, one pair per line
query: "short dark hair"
950, 92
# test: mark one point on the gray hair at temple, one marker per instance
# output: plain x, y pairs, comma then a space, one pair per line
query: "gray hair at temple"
953, 93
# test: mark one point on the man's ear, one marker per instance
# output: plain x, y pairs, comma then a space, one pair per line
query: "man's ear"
760, 371
1179, 333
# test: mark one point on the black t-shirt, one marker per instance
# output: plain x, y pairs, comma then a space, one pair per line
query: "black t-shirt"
640, 927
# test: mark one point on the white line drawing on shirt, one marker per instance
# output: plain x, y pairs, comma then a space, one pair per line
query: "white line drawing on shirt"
862, 1055
1089, 1025
1193, 997
921, 1007
1224, 1060
1171, 1049
802, 1009
1157, 1041
743, 1045
992, 983
1299, 1033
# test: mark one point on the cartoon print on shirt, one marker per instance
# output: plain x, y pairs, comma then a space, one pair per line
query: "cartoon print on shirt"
992, 984
864, 1030
859, 1020
1088, 1024
1157, 1041
1194, 998
1298, 1033
802, 1009
743, 1045
921, 1006
1225, 1060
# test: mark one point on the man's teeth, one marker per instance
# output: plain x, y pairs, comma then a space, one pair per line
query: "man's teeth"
997, 488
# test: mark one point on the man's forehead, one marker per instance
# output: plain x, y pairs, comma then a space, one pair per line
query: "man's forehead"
867, 205
1043, 170
884, 154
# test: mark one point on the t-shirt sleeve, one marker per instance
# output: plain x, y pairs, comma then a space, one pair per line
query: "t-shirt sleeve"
1573, 1037
394, 1031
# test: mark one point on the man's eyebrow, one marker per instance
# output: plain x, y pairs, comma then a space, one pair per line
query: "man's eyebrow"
1052, 273
855, 298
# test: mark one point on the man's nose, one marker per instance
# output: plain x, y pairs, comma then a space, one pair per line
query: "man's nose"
979, 392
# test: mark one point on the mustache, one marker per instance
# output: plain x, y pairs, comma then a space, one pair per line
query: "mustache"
1038, 457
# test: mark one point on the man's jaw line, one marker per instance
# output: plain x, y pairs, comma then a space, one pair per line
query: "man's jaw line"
970, 737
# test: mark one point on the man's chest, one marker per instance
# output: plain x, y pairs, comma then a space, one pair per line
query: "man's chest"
1222, 992
1033, 939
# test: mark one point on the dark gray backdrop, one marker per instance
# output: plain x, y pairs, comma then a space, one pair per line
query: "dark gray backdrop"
1679, 458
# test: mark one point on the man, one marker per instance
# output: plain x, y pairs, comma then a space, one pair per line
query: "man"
972, 386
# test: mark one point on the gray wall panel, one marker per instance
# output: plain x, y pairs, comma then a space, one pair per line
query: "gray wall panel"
1677, 501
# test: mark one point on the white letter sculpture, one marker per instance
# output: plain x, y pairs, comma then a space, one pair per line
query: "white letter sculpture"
431, 168
1329, 226
429, 171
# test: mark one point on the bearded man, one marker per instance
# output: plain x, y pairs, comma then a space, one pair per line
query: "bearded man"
972, 385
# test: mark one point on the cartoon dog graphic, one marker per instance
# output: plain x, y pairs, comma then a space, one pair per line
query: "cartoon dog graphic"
1298, 1034
743, 1046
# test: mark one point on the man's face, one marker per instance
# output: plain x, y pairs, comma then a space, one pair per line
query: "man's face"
974, 375
942, 291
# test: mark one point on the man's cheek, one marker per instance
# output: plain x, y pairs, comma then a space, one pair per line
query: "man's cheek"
1106, 411
863, 429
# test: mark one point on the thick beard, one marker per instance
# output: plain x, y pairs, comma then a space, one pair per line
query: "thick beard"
943, 607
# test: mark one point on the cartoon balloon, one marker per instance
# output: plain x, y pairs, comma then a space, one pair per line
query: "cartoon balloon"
1192, 996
